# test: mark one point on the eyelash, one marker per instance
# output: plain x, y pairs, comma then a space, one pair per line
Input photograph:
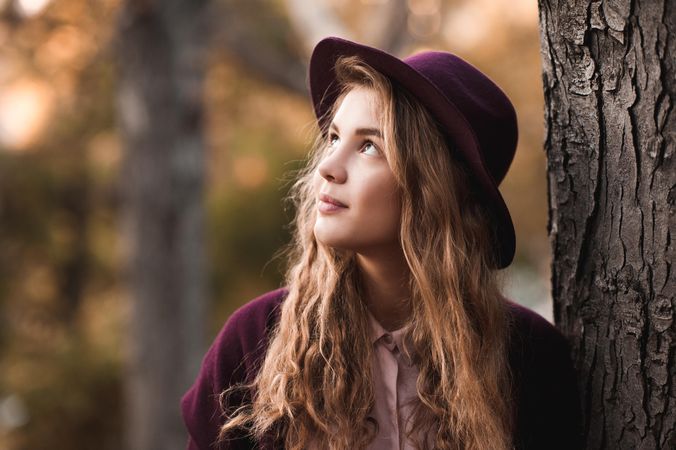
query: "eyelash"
366, 142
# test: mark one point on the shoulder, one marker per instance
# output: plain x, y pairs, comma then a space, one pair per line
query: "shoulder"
537, 347
530, 329
253, 320
233, 358
546, 390
243, 338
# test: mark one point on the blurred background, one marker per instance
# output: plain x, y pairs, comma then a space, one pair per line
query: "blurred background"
74, 75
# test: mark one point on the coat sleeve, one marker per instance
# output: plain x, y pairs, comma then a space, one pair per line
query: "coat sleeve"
549, 414
232, 358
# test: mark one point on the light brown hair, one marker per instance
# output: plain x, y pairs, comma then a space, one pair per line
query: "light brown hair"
315, 383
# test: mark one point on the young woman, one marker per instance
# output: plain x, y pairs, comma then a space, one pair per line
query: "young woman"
391, 332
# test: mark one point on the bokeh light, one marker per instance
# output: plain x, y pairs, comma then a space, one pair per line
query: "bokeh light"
25, 108
28, 8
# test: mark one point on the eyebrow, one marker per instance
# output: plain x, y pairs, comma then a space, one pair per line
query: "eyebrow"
361, 131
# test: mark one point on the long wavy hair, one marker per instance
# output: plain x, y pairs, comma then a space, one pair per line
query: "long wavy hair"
315, 383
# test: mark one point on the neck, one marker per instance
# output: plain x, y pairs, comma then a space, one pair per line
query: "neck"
385, 275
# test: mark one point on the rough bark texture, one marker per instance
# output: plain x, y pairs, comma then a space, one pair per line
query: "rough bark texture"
608, 75
161, 65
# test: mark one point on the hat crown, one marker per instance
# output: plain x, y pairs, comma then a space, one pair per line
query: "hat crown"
484, 105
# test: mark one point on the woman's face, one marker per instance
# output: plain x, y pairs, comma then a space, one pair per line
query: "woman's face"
355, 172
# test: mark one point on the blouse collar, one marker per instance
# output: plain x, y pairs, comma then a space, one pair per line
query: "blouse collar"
390, 339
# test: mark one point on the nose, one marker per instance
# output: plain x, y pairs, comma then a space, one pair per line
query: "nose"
332, 167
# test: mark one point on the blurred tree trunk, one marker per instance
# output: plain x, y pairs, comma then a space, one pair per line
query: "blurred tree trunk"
274, 40
161, 66
608, 75
73, 270
385, 28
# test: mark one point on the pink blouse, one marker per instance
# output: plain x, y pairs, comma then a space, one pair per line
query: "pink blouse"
395, 379
395, 394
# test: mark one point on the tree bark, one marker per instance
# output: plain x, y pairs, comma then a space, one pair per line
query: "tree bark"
608, 76
161, 70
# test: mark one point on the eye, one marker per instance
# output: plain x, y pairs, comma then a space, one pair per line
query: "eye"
370, 147
333, 138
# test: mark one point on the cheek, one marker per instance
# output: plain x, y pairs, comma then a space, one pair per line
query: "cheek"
382, 207
316, 181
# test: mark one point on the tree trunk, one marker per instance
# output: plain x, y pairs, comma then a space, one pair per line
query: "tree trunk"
161, 64
608, 76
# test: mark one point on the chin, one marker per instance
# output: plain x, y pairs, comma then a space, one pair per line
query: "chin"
333, 243
332, 240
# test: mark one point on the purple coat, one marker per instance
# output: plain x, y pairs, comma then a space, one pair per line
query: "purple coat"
548, 411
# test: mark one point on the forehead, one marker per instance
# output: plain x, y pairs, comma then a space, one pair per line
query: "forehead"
359, 105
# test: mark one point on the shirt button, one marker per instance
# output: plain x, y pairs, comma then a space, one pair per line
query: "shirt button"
387, 338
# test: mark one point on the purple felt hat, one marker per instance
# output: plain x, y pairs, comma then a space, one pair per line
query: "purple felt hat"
474, 114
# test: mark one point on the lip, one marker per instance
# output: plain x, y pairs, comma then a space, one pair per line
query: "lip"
328, 204
328, 199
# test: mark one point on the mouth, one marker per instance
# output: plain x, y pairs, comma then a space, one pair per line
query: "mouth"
332, 201
330, 205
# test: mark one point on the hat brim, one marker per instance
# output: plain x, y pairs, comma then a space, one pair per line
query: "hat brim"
324, 91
